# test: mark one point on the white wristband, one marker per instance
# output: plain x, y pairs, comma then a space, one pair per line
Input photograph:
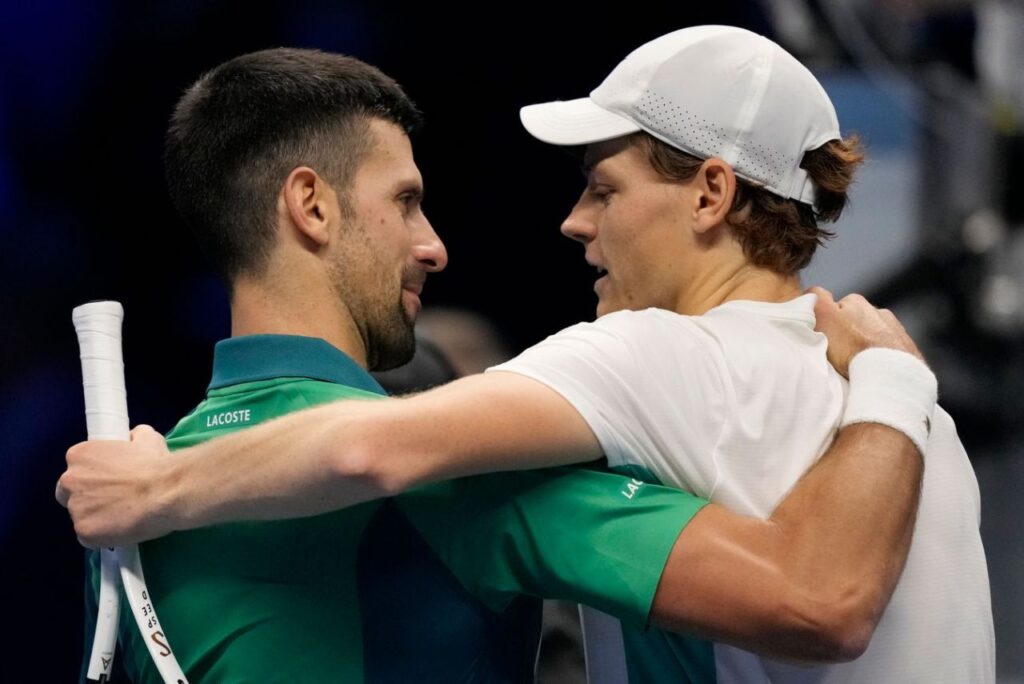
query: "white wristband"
893, 388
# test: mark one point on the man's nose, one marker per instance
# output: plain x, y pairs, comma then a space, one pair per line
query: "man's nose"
429, 251
579, 225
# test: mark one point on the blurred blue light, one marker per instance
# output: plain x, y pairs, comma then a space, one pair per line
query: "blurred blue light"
331, 26
883, 113
40, 417
49, 49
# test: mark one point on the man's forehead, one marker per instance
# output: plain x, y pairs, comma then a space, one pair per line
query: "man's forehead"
390, 154
388, 139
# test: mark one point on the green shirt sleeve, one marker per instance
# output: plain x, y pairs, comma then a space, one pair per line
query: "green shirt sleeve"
568, 533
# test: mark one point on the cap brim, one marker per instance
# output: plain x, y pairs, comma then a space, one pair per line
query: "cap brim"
574, 122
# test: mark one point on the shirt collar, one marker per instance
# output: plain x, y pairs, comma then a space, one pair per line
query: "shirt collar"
264, 357
797, 309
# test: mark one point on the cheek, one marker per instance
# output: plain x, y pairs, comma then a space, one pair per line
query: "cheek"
394, 245
644, 265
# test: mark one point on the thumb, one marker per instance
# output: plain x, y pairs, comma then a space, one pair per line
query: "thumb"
145, 435
824, 296
825, 308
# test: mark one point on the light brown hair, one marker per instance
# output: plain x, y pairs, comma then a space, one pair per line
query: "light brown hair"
775, 232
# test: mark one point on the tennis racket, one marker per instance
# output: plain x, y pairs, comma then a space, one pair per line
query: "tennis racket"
98, 325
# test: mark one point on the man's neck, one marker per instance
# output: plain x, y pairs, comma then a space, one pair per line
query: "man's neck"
740, 281
262, 308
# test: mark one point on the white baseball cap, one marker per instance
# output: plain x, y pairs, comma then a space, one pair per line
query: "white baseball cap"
711, 91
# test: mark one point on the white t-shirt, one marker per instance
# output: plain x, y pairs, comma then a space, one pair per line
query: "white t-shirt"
734, 406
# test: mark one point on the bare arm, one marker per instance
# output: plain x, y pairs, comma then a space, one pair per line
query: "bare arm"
345, 453
320, 459
811, 582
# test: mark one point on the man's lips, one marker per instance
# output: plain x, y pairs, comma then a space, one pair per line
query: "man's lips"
602, 274
415, 282
411, 300
601, 268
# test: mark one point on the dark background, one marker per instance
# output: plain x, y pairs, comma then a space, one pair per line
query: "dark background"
85, 92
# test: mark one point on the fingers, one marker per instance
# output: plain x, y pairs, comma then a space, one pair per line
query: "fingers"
847, 324
856, 325
61, 494
90, 545
856, 302
63, 490
100, 488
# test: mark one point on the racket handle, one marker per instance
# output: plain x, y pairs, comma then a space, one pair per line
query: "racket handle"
98, 325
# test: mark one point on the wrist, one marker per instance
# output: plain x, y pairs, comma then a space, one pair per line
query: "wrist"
892, 388
168, 509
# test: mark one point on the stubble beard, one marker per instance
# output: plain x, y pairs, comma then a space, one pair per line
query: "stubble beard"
392, 341
387, 328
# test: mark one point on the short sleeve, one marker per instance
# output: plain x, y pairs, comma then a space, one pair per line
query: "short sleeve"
649, 385
567, 533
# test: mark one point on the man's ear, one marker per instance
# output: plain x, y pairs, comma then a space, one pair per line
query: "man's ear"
309, 203
716, 184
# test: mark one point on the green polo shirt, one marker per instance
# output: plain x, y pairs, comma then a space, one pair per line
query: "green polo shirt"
438, 585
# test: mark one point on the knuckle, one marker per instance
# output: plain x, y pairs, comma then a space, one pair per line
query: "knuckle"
90, 543
857, 299
81, 529
88, 536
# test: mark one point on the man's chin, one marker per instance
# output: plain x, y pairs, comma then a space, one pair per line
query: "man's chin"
396, 348
604, 307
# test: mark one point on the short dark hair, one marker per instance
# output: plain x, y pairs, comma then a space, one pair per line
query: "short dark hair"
240, 129
777, 233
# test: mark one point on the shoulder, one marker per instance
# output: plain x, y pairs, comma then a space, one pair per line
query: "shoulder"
647, 326
647, 318
625, 346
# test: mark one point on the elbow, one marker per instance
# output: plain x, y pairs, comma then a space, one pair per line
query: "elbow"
840, 625
364, 464
846, 636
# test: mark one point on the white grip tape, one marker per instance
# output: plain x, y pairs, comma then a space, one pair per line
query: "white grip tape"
98, 325
893, 388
